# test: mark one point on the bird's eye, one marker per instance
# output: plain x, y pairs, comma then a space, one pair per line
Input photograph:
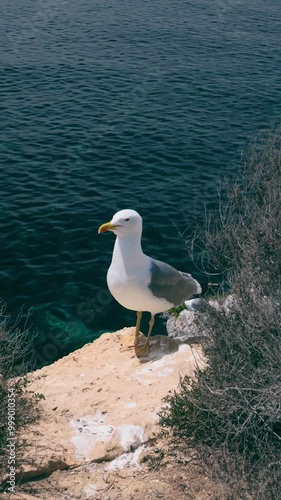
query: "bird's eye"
127, 220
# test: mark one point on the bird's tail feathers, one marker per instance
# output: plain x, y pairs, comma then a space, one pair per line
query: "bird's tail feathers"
194, 284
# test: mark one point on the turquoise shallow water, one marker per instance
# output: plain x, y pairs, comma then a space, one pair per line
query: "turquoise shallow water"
114, 104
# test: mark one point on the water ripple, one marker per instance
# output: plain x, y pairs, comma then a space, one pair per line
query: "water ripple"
121, 104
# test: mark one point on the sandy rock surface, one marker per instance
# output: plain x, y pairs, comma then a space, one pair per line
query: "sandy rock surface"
101, 404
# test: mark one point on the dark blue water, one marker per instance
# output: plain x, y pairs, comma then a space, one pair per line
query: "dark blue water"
121, 104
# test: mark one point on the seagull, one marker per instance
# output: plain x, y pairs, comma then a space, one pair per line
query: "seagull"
139, 282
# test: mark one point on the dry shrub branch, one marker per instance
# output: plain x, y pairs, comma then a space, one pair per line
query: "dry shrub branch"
15, 353
232, 411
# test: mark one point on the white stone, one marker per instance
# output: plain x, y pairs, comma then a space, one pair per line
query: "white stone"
131, 436
126, 460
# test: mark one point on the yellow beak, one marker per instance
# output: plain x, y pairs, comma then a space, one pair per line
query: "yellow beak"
106, 227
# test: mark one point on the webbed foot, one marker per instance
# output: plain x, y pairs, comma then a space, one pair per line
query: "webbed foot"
142, 350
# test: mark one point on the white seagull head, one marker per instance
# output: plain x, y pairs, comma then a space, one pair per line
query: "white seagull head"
124, 223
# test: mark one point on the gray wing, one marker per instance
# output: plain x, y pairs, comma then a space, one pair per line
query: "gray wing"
170, 284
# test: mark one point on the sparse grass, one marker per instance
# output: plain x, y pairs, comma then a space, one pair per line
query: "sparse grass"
175, 311
154, 459
232, 411
15, 349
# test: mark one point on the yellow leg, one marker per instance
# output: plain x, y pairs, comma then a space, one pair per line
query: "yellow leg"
143, 350
133, 339
137, 334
